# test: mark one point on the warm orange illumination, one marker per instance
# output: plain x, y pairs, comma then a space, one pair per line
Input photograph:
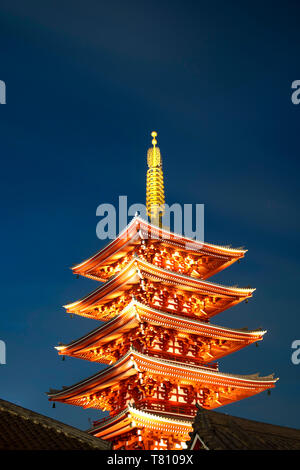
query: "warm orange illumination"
157, 339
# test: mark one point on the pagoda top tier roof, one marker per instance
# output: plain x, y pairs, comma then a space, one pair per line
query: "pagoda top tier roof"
139, 229
135, 313
134, 362
138, 269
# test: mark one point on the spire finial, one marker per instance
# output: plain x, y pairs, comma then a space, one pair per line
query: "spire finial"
153, 156
155, 196
154, 141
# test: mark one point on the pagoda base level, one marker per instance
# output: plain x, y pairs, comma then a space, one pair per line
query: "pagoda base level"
135, 429
147, 439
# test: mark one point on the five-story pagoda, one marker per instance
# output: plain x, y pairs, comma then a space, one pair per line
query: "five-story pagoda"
155, 306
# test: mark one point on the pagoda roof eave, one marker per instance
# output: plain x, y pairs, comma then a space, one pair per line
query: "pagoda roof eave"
162, 418
107, 373
127, 273
137, 268
111, 247
132, 232
129, 318
139, 362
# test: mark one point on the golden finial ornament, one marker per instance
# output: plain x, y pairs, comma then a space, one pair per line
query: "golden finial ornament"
153, 154
155, 197
154, 141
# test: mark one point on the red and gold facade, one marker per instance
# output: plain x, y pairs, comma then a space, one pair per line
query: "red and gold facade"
155, 305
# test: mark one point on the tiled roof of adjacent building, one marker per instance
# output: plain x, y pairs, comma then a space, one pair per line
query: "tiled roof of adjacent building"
219, 431
22, 429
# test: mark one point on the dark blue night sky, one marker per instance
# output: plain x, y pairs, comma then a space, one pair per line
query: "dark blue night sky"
86, 84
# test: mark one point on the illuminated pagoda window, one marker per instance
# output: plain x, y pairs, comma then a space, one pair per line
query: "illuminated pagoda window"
155, 305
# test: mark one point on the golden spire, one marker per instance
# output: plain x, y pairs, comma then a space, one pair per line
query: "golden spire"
155, 195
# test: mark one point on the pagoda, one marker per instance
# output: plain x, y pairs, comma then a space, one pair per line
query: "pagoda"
155, 304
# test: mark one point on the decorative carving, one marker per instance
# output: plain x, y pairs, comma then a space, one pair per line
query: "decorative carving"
191, 394
163, 342
184, 344
167, 387
195, 265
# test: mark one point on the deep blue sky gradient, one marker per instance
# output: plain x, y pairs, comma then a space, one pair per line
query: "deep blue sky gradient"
86, 84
